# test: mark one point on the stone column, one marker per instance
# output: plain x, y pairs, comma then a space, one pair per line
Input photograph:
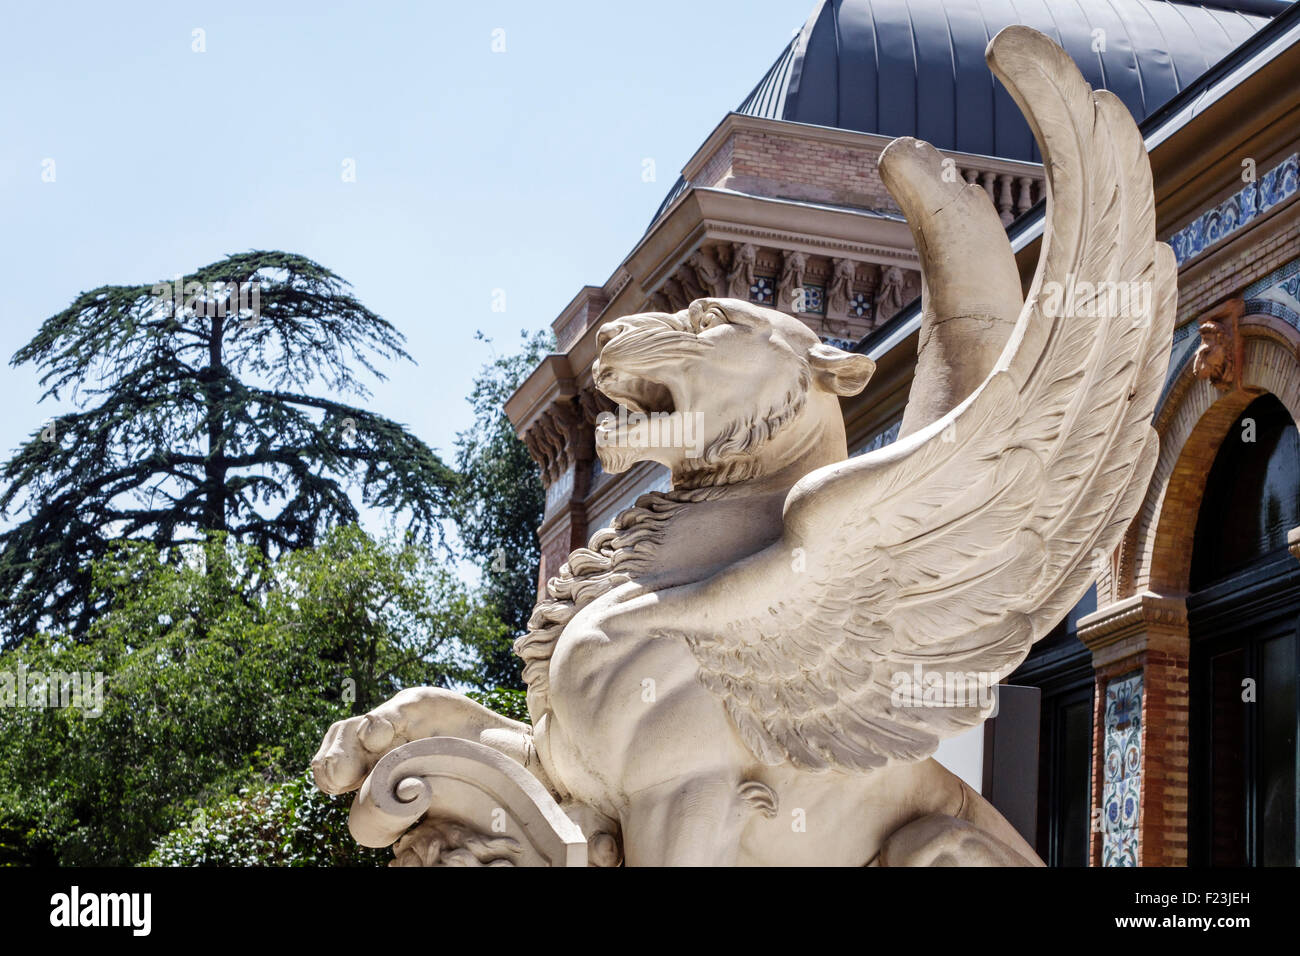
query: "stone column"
1140, 652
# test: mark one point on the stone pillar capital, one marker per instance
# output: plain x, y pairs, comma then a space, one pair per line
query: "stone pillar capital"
1145, 621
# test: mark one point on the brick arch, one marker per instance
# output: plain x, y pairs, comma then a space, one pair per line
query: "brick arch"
1157, 551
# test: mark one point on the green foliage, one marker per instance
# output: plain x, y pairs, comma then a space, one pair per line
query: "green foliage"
220, 668
501, 499
506, 701
288, 824
195, 416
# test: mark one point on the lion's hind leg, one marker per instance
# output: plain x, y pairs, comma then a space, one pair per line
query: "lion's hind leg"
937, 839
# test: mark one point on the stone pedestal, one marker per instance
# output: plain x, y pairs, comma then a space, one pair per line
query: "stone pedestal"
1140, 652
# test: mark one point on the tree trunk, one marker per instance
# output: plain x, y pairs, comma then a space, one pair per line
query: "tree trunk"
214, 468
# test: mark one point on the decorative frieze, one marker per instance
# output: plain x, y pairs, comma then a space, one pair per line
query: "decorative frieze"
881, 439
1277, 294
840, 298
1214, 225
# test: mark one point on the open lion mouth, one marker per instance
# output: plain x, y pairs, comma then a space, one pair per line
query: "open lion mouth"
637, 394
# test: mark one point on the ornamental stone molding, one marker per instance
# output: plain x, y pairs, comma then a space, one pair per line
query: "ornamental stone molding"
1132, 625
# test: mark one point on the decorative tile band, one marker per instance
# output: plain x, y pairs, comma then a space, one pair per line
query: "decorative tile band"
1277, 294
1211, 227
886, 437
1122, 772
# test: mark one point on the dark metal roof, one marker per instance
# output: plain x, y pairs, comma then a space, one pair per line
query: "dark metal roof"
1164, 120
916, 67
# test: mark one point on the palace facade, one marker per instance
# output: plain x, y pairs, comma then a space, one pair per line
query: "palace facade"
1167, 701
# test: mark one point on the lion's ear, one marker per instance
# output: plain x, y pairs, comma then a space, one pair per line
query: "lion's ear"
838, 371
375, 733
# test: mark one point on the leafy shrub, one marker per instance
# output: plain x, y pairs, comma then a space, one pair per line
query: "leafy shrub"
220, 670
506, 701
288, 824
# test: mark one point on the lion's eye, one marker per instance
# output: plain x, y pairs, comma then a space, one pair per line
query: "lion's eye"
713, 317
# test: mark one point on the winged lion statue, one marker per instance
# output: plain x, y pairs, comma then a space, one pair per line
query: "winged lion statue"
714, 679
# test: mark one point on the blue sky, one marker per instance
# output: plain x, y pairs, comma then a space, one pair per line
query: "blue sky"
475, 170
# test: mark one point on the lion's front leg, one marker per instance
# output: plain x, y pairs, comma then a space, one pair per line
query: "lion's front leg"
352, 747
690, 821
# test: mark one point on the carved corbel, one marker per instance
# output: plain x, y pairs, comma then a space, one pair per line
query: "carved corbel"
685, 277
678, 298
890, 294
741, 275
841, 291
709, 274
593, 403
1219, 359
792, 269
534, 449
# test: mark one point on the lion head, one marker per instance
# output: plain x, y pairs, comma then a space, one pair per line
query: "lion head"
720, 392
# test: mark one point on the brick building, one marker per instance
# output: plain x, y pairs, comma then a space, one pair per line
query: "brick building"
1167, 700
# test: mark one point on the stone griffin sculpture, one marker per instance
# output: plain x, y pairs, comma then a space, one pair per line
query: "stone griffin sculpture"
710, 681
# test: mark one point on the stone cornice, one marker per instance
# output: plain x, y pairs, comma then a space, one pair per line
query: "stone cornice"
810, 228
816, 245
838, 137
550, 382
1134, 624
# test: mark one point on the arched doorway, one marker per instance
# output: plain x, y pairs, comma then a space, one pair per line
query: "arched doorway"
1244, 623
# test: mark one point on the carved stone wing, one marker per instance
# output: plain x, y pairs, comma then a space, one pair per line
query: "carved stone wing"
959, 546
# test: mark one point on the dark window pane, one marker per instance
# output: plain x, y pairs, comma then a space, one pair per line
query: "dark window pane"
1076, 758
1252, 494
1277, 752
1227, 760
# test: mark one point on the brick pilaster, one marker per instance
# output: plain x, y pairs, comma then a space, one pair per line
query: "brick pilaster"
1146, 635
